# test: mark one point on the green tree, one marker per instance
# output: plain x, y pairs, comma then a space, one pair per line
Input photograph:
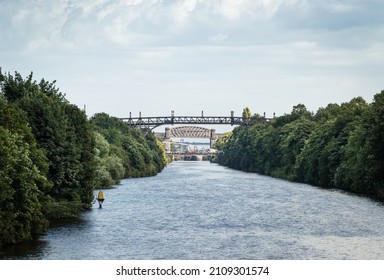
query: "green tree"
62, 131
246, 113
22, 178
140, 152
110, 169
362, 167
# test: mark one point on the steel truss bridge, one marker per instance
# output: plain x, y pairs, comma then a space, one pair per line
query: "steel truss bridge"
189, 132
153, 122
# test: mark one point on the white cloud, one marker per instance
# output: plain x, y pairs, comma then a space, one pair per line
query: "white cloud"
263, 52
145, 22
230, 9
219, 37
181, 10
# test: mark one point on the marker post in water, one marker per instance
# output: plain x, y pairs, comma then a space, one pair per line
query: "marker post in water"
100, 198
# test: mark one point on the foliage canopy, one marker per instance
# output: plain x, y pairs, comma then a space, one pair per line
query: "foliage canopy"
341, 146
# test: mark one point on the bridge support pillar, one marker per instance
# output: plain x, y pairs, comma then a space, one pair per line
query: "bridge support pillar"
212, 139
167, 147
167, 133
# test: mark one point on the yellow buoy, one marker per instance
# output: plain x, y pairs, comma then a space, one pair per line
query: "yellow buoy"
100, 198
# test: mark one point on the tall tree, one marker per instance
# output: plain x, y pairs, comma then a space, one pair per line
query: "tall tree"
62, 130
246, 113
23, 180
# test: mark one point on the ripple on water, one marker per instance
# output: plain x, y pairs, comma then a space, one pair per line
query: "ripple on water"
198, 210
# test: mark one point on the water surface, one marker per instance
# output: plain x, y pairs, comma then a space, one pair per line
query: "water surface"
199, 210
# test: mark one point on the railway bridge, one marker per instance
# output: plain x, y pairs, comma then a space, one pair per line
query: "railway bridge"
153, 122
189, 128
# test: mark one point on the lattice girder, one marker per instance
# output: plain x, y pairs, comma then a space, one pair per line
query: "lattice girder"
190, 132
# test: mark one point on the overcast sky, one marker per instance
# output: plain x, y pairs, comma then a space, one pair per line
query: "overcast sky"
154, 56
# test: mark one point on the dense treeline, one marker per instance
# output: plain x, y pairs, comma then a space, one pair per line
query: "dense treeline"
340, 146
134, 154
52, 157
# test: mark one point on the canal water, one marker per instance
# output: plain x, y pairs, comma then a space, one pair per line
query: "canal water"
199, 210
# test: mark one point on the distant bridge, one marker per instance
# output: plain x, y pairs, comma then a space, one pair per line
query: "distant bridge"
189, 132
153, 122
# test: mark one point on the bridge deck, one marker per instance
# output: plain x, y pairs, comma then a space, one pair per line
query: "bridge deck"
152, 122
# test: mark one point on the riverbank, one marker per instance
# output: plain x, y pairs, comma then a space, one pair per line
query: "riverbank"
339, 146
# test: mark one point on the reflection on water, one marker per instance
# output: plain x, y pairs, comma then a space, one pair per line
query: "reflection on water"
198, 210
37, 248
29, 249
